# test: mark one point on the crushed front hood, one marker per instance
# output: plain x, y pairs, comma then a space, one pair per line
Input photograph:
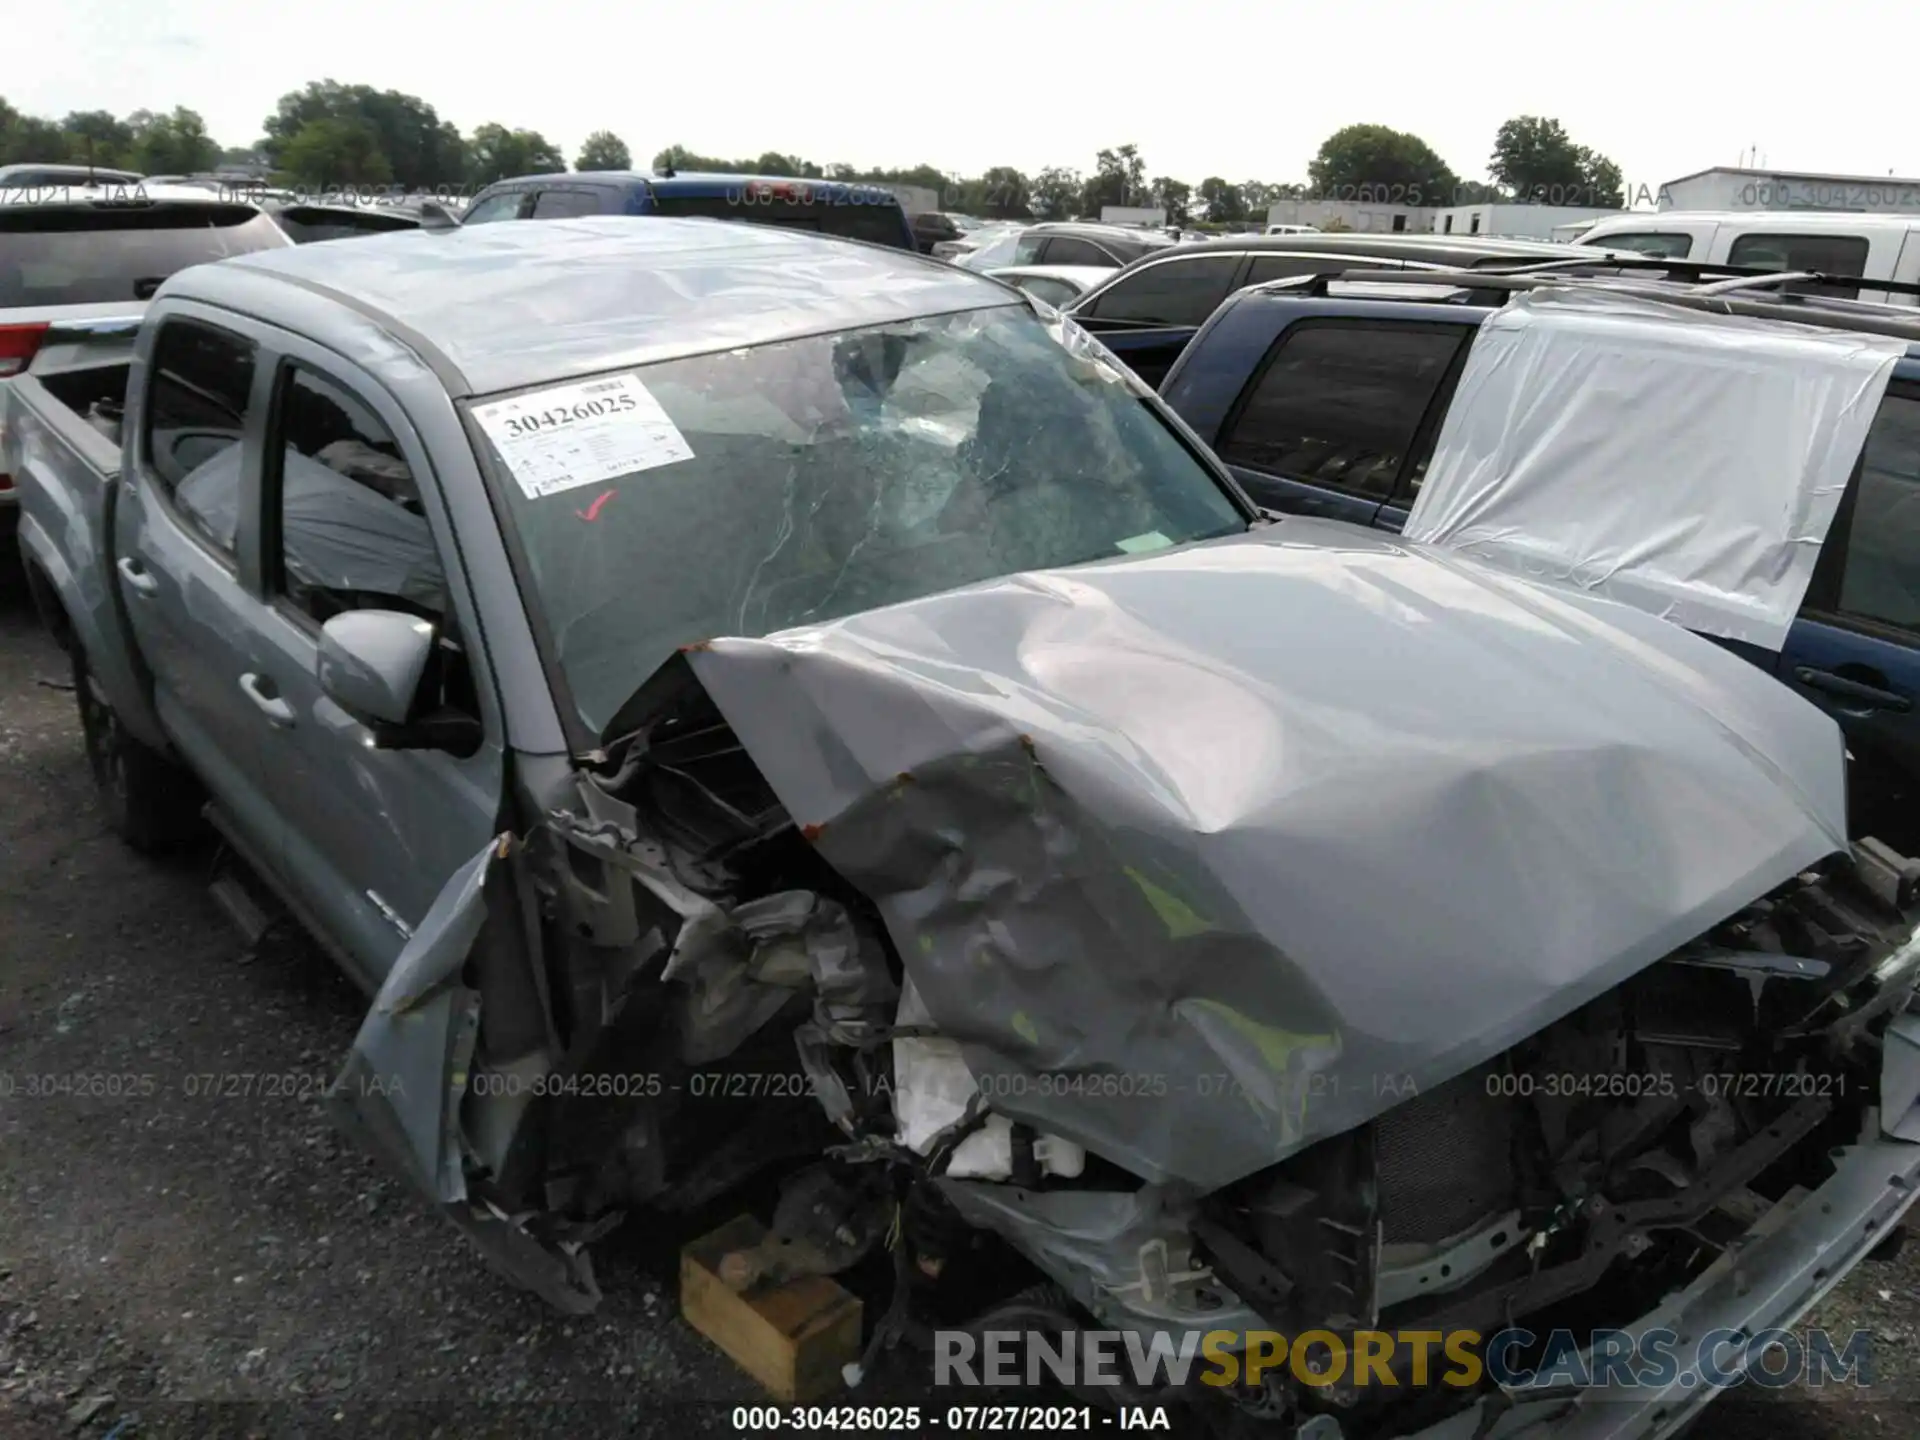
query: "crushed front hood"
1208, 854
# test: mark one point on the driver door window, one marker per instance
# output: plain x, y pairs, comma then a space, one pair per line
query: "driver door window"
505, 206
1173, 292
565, 203
349, 531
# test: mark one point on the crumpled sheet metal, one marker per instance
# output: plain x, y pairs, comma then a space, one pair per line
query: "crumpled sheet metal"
1243, 836
1684, 463
1089, 1241
405, 1076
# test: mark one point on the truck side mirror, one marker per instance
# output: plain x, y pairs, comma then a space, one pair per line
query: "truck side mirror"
372, 663
379, 666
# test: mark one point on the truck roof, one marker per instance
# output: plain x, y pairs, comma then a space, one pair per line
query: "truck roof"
502, 307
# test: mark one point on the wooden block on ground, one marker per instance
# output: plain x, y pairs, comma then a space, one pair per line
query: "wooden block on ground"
792, 1338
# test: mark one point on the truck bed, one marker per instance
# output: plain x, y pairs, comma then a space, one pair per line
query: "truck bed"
60, 437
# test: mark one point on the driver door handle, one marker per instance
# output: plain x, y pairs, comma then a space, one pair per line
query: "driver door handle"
1842, 688
260, 691
136, 576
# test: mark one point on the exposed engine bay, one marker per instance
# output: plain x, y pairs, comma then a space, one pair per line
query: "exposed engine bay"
679, 986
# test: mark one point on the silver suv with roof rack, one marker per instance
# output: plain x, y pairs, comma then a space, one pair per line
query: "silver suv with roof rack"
1148, 311
79, 261
1331, 396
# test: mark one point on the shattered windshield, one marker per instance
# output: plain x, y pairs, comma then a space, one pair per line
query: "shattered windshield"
780, 485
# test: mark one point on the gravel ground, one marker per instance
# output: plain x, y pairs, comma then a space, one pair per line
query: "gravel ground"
173, 1265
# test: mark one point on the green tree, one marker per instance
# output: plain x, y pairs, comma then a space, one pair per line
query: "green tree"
176, 143
1258, 196
1535, 160
1222, 201
1396, 167
679, 158
1119, 178
336, 151
1056, 192
421, 150
773, 162
28, 139
1601, 177
926, 177
1173, 196
604, 150
1006, 194
99, 136
496, 153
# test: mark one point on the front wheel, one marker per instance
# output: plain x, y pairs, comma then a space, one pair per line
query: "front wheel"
151, 803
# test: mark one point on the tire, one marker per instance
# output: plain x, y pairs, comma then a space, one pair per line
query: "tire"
150, 802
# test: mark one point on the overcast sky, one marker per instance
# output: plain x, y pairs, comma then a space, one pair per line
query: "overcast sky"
1203, 87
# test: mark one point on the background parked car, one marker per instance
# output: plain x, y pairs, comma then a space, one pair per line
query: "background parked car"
1147, 312
931, 228
73, 259
12, 175
1874, 247
981, 233
849, 210
1058, 285
1330, 405
1064, 242
306, 223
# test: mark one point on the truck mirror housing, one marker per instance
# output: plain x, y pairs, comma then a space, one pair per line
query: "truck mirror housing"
372, 663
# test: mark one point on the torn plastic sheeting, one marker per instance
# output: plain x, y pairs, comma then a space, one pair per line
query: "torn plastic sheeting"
1683, 463
339, 534
1417, 813
404, 1078
1094, 360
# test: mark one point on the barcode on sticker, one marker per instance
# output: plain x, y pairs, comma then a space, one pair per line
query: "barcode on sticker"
601, 387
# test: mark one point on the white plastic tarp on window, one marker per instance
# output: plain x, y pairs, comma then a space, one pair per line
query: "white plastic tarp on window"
1684, 463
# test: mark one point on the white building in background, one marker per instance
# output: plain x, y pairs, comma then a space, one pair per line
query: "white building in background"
1728, 187
1527, 221
1349, 215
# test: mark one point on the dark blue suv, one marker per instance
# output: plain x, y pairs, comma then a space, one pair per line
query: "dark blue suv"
849, 209
1329, 405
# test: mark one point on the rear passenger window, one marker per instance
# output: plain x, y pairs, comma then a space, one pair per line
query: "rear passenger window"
1663, 245
1880, 580
1066, 250
1172, 292
1824, 254
351, 532
505, 206
1340, 402
1285, 267
563, 204
200, 385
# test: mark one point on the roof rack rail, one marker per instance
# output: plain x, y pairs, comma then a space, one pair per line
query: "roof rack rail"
1494, 288
1762, 276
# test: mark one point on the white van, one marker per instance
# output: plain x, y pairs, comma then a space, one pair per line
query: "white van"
1874, 247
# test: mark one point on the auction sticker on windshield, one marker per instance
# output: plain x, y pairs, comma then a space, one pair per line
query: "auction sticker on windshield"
584, 434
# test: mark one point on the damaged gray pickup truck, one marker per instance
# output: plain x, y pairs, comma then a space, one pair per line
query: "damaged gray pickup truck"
740, 701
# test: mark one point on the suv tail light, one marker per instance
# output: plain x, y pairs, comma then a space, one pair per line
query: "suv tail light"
18, 345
